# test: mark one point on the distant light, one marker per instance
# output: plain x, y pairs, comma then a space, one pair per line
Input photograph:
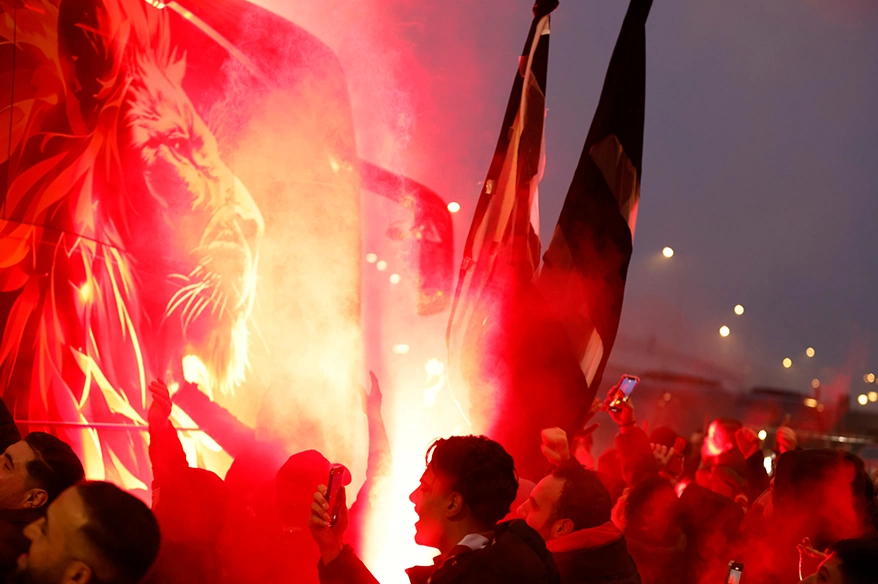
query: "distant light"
668, 252
762, 434
724, 331
810, 402
401, 349
862, 399
739, 310
381, 266
371, 258
453, 207
394, 278
819, 407
666, 396
872, 395
156, 3
869, 377
766, 463
787, 363
815, 383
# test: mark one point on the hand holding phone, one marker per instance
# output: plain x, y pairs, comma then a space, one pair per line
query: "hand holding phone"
329, 516
674, 467
622, 392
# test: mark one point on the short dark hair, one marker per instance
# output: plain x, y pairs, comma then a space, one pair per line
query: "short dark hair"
584, 498
122, 529
480, 470
55, 466
858, 560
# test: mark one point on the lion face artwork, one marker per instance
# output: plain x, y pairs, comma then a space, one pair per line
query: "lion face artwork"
129, 245
197, 205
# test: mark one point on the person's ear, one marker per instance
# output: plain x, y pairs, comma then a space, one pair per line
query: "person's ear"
562, 527
77, 572
455, 505
35, 498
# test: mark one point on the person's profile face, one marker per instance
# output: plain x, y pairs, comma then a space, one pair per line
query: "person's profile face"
431, 499
539, 509
47, 555
13, 475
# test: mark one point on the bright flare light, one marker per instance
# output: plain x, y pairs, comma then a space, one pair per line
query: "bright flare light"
453, 207
381, 266
401, 349
810, 402
394, 278
862, 399
810, 351
869, 377
787, 363
873, 396
815, 383
724, 331
739, 309
668, 252
371, 258
762, 434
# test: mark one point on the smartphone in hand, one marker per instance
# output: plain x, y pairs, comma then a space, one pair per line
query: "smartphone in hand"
334, 485
675, 465
626, 385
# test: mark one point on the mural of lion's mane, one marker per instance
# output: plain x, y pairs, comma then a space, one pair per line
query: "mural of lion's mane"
126, 243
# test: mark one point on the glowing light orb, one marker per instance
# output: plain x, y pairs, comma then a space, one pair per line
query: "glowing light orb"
810, 352
787, 363
873, 396
668, 252
862, 399
371, 258
869, 377
724, 331
815, 383
401, 349
810, 402
739, 309
762, 434
394, 278
381, 266
453, 207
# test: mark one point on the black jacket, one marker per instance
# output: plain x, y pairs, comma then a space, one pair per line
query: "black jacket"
597, 555
516, 554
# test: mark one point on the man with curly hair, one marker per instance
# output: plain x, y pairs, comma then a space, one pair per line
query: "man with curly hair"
466, 489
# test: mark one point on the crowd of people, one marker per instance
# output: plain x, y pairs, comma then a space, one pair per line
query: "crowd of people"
655, 509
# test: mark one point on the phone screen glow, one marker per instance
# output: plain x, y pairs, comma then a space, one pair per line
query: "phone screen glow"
627, 386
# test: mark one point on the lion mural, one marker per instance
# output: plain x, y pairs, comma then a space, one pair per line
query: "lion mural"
127, 245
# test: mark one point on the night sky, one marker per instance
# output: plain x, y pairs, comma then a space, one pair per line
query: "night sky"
759, 154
